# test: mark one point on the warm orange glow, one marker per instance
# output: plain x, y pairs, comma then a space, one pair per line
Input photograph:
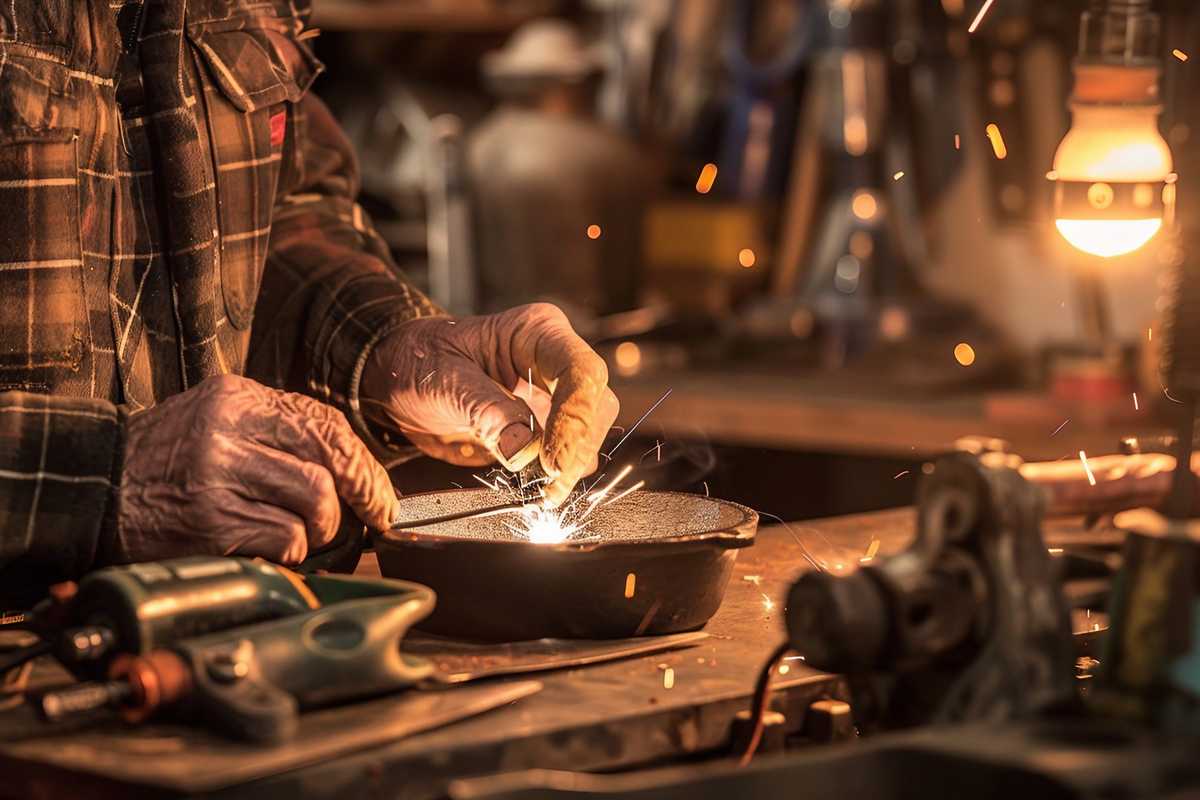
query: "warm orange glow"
864, 205
997, 140
1108, 238
593, 231
1109, 145
708, 176
629, 358
964, 354
746, 257
957, 142
1182, 56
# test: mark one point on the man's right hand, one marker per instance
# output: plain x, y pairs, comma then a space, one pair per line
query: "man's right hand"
234, 467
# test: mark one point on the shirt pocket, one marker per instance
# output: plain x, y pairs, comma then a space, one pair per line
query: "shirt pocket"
253, 77
43, 313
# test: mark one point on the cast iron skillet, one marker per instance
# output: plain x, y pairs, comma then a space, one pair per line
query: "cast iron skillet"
492, 585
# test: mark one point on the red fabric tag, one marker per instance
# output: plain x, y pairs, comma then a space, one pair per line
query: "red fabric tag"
278, 128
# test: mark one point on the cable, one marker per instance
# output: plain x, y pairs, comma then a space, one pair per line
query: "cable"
759, 704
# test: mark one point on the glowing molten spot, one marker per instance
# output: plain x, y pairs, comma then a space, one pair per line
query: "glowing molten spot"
1109, 237
543, 526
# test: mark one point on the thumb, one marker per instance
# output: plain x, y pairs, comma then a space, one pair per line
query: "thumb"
503, 424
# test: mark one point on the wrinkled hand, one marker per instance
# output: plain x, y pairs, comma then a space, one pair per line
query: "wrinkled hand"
449, 387
231, 466
1122, 482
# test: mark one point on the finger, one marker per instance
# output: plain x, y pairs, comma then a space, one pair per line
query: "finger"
546, 347
586, 459
313, 431
301, 487
461, 451
537, 398
500, 423
261, 530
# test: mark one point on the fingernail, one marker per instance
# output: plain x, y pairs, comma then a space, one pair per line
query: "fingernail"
513, 439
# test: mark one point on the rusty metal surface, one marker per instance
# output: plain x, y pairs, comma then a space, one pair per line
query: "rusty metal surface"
652, 563
461, 662
604, 716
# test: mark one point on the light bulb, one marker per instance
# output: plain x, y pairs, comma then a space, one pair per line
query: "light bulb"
1112, 171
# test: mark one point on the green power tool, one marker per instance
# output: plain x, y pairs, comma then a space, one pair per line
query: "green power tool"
237, 644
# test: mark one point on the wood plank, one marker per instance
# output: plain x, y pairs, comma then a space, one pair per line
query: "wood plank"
803, 414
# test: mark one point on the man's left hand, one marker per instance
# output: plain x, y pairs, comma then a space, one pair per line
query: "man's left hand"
449, 386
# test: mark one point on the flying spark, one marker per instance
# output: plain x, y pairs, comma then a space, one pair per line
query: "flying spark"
872, 549
1135, 402
979, 17
708, 175
629, 432
898, 175
1182, 56
1087, 468
630, 585
626, 493
1060, 427
957, 142
997, 140
768, 603
900, 474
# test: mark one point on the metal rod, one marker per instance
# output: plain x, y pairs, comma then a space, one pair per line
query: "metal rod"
491, 511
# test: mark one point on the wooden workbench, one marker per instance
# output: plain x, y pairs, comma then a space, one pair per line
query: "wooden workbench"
618, 715
607, 716
820, 413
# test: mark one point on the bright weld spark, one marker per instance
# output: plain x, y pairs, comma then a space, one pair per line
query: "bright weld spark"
629, 432
957, 142
708, 176
626, 493
1087, 468
1182, 56
898, 175
1135, 402
425, 380
491, 486
669, 678
1054, 551
784, 669
630, 585
900, 474
1060, 427
794, 658
979, 17
997, 140
706, 494
600, 495
768, 603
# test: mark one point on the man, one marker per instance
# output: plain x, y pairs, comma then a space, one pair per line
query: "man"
179, 244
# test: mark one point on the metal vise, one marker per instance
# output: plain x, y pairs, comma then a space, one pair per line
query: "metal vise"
969, 623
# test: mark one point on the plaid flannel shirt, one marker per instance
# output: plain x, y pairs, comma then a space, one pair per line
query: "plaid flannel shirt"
159, 194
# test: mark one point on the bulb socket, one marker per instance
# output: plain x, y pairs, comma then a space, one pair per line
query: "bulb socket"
1120, 32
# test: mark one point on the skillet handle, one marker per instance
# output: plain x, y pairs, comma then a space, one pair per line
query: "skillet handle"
343, 553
